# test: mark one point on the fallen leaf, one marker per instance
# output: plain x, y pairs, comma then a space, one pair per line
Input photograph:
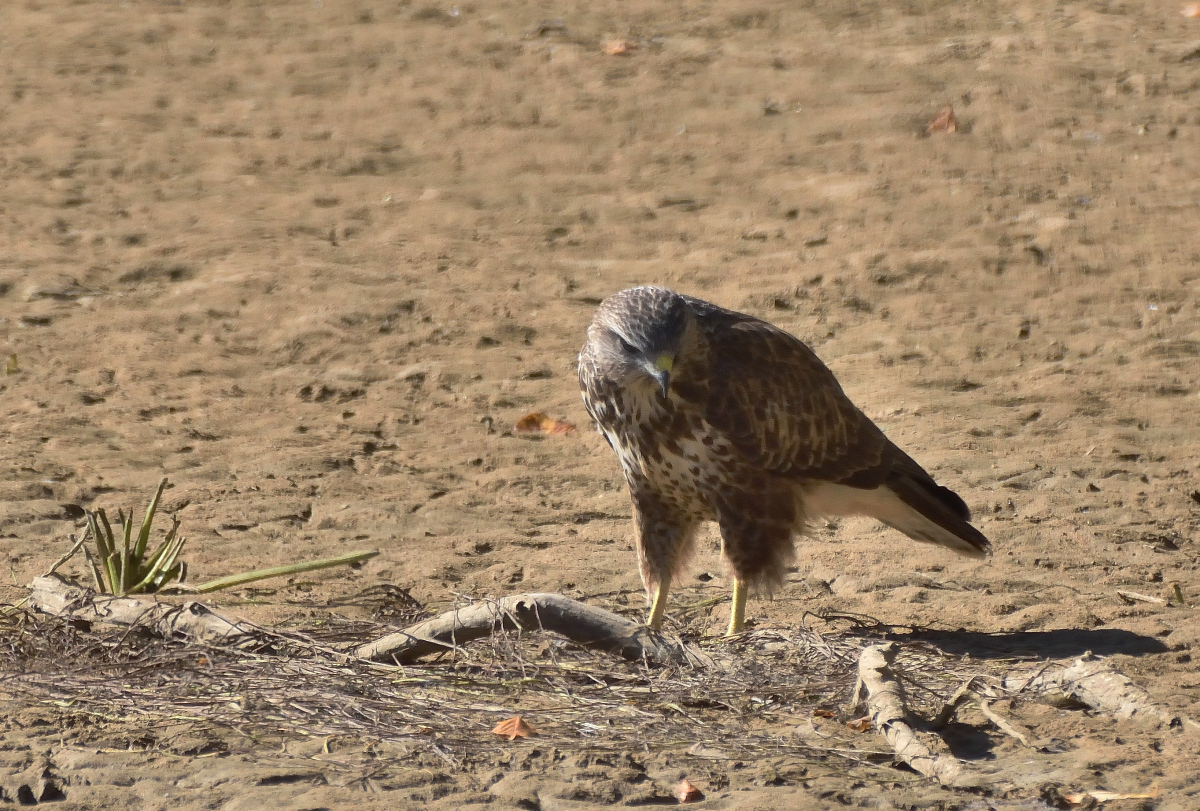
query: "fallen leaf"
860, 724
685, 792
617, 47
513, 728
1105, 796
1191, 10
944, 122
539, 423
824, 714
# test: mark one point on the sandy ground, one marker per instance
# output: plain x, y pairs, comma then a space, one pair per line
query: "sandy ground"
298, 256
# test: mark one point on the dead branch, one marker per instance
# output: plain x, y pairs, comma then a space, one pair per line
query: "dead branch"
964, 693
54, 595
885, 702
585, 624
1096, 684
1001, 723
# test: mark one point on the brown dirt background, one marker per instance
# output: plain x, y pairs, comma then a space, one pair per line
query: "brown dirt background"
293, 254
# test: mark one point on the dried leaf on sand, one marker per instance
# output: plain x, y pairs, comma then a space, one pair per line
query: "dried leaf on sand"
685, 792
943, 122
539, 423
619, 47
513, 728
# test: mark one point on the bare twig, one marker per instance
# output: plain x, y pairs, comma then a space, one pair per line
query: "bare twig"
1001, 723
965, 692
1131, 597
78, 545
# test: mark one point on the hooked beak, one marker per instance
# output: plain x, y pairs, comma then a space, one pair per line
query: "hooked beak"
661, 372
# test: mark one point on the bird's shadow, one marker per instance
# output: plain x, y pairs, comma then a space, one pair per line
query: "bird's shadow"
1058, 644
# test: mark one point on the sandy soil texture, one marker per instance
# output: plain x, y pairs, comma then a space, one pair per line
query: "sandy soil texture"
312, 260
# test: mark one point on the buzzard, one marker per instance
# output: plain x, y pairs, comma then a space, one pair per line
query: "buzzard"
718, 416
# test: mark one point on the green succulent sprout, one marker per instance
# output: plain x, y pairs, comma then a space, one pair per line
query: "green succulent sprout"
121, 566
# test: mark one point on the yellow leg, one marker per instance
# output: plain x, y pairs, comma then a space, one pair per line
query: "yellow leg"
737, 614
658, 608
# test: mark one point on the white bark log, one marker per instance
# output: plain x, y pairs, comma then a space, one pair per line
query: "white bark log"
1094, 683
54, 595
585, 624
885, 703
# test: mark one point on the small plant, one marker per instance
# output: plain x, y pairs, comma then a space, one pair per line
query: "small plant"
122, 566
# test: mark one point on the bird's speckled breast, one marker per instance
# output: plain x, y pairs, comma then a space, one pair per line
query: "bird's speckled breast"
667, 448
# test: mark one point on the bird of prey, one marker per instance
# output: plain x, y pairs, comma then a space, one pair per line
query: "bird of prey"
718, 416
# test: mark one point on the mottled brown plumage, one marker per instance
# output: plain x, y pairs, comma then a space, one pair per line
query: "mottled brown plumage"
718, 416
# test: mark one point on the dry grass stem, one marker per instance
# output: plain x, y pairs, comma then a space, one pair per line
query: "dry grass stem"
766, 694
307, 682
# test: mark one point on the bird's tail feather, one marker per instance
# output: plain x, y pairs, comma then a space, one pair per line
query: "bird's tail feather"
910, 502
934, 514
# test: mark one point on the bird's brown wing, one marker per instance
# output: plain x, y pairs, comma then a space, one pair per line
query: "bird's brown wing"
783, 410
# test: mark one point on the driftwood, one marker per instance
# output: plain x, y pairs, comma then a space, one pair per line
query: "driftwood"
1093, 683
585, 624
52, 594
885, 702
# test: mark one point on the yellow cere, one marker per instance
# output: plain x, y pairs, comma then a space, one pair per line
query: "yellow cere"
664, 363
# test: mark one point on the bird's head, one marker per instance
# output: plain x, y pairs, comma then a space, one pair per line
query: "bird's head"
638, 334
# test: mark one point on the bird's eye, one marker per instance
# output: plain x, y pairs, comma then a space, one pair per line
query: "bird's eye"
628, 347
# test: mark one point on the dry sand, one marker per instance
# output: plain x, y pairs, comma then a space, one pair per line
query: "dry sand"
297, 255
